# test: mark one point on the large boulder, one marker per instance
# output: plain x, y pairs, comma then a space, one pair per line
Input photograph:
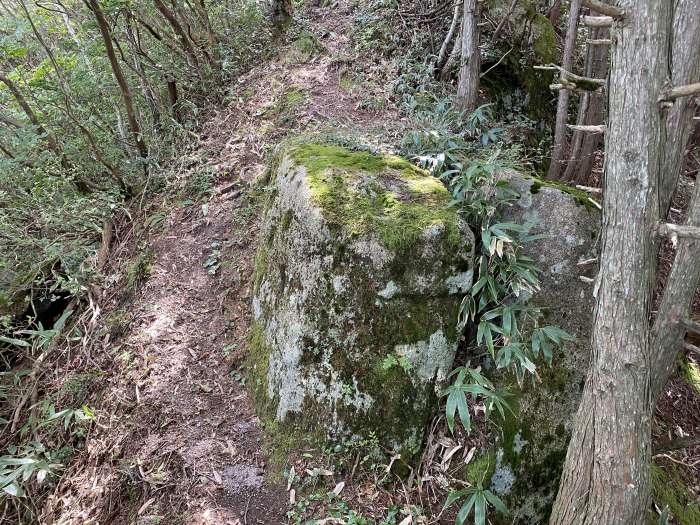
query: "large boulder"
526, 460
357, 284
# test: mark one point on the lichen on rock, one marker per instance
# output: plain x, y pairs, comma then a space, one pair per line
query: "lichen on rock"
356, 294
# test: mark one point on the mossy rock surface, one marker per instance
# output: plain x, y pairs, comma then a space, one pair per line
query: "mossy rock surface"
530, 451
356, 292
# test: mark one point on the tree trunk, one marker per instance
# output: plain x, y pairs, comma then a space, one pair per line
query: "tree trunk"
282, 12
559, 143
121, 79
606, 474
685, 70
591, 112
172, 100
676, 301
452, 59
442, 54
470, 61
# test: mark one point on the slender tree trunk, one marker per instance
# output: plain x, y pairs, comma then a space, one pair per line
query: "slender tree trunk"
182, 35
676, 301
148, 92
442, 54
172, 99
591, 112
121, 79
554, 13
452, 59
282, 13
606, 474
559, 143
470, 61
685, 70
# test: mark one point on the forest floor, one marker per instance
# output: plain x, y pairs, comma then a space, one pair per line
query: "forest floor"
176, 439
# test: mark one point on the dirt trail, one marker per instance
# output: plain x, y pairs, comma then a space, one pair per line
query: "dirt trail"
177, 440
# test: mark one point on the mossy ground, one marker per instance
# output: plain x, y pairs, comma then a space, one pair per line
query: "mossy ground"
691, 373
351, 189
669, 491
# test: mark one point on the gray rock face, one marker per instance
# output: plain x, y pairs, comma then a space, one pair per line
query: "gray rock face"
531, 451
356, 293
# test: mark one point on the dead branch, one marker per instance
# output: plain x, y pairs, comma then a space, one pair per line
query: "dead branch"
598, 21
578, 80
677, 444
678, 230
589, 190
599, 41
604, 9
503, 21
572, 87
587, 129
691, 325
681, 91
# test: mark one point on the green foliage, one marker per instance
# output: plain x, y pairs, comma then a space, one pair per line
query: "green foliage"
477, 499
21, 465
138, 271
469, 381
29, 463
56, 198
455, 147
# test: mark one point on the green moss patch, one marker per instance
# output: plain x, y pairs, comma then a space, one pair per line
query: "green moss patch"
480, 469
544, 38
304, 48
581, 197
384, 195
669, 491
691, 373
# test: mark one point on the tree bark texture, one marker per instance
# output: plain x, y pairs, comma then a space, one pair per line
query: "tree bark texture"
591, 112
676, 301
559, 143
470, 61
605, 479
685, 69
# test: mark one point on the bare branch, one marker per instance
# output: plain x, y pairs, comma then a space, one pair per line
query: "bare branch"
604, 9
598, 21
676, 444
680, 91
599, 41
691, 325
578, 80
587, 129
574, 88
679, 230
589, 189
